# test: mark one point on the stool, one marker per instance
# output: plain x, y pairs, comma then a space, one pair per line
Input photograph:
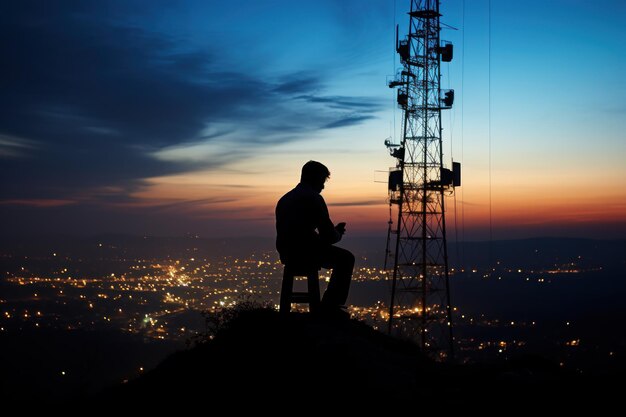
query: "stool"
288, 296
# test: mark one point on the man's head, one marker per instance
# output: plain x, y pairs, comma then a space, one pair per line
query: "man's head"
315, 175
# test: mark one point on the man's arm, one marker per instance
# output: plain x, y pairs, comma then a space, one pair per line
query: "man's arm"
328, 232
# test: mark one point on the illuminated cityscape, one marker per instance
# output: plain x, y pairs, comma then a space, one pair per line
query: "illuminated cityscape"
162, 298
148, 296
80, 315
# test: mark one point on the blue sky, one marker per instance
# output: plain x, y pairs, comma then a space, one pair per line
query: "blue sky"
171, 117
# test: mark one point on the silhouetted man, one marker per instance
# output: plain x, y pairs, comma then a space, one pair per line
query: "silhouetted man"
305, 235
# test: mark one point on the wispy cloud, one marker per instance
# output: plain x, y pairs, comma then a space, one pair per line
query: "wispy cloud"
298, 83
37, 202
176, 205
111, 103
357, 203
347, 121
344, 103
14, 147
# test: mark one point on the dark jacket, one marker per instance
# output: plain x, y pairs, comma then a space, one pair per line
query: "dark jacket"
303, 226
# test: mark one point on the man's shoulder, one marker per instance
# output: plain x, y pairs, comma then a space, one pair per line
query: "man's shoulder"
301, 195
288, 195
300, 192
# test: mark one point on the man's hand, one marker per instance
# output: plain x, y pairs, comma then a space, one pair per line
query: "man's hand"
341, 228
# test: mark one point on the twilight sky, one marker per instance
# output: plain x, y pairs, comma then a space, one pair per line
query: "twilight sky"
163, 118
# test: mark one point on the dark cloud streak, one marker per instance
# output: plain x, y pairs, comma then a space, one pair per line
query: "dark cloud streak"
357, 203
298, 84
347, 121
94, 98
345, 103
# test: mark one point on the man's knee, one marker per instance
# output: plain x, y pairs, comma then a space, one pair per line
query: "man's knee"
347, 258
338, 257
342, 255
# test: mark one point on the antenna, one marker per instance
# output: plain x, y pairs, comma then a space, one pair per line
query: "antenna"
397, 29
420, 305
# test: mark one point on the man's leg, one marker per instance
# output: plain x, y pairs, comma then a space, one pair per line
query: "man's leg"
342, 263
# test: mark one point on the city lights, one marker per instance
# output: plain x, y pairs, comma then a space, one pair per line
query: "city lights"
161, 298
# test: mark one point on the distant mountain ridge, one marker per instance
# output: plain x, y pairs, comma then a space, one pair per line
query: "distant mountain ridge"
370, 250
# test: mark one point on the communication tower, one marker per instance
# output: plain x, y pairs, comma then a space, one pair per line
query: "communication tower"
420, 295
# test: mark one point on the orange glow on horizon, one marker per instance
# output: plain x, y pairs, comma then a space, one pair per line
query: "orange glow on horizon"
245, 196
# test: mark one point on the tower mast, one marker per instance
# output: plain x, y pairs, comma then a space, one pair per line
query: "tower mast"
420, 305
